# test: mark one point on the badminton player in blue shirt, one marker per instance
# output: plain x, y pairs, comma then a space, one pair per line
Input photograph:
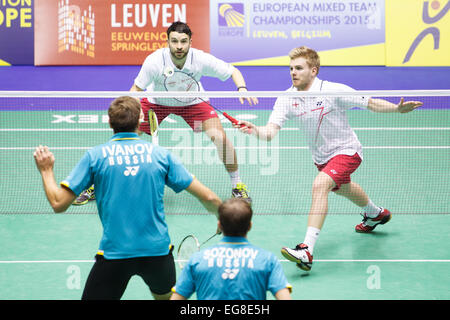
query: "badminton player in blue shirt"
130, 175
234, 269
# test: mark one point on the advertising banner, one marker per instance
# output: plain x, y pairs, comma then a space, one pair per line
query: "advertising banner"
104, 32
262, 32
16, 32
418, 33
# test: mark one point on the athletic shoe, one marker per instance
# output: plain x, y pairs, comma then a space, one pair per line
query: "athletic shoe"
85, 196
300, 254
368, 224
241, 192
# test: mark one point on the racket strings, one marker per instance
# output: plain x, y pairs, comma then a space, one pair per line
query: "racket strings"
187, 248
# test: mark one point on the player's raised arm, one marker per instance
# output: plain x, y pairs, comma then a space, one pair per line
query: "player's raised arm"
59, 198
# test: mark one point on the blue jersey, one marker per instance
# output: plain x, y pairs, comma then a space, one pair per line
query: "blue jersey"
129, 175
234, 269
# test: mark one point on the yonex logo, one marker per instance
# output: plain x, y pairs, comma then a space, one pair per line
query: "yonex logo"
333, 171
131, 170
230, 274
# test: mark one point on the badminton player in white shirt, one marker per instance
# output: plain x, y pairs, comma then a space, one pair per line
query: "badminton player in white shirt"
180, 56
335, 148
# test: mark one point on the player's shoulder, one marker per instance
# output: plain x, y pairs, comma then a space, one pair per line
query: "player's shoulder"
198, 52
156, 56
283, 100
199, 55
334, 86
265, 257
291, 88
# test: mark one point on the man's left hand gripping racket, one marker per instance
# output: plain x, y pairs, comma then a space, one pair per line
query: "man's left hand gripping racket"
176, 80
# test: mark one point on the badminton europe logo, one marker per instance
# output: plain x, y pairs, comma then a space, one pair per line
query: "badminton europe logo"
231, 19
76, 29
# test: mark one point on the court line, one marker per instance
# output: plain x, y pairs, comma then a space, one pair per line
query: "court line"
281, 260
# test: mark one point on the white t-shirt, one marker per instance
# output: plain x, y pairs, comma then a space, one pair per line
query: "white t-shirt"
198, 63
323, 119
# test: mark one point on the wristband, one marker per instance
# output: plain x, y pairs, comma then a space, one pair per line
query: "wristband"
241, 87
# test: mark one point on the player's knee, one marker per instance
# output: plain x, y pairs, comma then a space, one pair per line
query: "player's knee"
322, 184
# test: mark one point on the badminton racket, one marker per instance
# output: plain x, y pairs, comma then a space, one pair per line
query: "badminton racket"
176, 80
188, 246
153, 124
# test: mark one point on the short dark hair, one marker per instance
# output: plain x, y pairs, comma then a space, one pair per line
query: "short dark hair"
124, 113
235, 216
179, 27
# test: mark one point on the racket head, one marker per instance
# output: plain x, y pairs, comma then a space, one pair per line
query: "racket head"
153, 122
181, 81
188, 246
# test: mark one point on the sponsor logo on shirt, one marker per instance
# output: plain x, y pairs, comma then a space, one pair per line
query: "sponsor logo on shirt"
131, 171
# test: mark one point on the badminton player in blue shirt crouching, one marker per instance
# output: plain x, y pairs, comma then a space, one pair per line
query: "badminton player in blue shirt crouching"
234, 269
130, 175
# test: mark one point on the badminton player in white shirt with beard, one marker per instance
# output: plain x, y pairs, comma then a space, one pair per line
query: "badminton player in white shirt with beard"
180, 56
335, 148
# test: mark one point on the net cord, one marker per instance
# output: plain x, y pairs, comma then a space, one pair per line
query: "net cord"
219, 94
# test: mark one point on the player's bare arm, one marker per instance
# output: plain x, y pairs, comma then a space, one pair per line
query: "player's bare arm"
59, 198
239, 81
206, 197
135, 88
383, 106
267, 132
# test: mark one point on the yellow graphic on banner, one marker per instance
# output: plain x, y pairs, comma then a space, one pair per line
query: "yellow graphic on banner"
355, 56
418, 33
4, 63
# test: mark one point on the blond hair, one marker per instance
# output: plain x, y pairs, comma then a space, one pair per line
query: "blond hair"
310, 55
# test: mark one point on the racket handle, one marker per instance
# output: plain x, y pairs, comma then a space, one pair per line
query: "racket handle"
233, 120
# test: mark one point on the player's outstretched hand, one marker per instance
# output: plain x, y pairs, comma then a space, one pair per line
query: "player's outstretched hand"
250, 100
245, 126
408, 106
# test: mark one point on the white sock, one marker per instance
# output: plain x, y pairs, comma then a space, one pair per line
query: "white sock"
235, 178
312, 234
371, 210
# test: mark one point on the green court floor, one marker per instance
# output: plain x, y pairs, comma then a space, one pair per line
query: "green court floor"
405, 168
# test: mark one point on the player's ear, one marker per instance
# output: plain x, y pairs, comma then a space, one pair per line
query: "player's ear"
141, 115
250, 226
314, 71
